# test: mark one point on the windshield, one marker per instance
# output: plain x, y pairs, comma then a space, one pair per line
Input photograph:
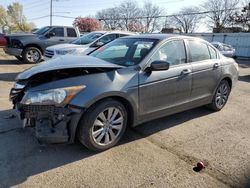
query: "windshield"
87, 38
125, 51
42, 30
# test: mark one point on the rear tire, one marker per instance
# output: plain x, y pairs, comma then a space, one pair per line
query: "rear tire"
221, 96
103, 125
32, 55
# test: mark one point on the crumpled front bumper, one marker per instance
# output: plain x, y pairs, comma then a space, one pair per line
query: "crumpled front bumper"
52, 124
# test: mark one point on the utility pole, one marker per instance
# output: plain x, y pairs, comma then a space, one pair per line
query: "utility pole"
51, 12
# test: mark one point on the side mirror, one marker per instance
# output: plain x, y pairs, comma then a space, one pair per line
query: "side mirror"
99, 44
159, 65
51, 34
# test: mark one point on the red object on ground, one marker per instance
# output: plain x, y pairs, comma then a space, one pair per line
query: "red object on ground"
3, 41
200, 165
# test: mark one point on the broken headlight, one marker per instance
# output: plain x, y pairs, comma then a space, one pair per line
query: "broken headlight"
51, 97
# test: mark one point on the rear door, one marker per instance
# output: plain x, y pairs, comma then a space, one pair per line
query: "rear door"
70, 34
206, 69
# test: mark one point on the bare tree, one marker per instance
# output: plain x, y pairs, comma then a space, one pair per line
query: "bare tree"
128, 11
219, 12
151, 13
187, 19
242, 18
110, 18
129, 14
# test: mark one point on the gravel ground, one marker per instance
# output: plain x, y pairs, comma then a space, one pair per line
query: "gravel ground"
160, 153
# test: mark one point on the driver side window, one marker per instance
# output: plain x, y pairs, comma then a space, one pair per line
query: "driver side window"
107, 38
173, 52
59, 31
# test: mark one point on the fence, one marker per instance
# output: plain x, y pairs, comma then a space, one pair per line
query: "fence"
240, 41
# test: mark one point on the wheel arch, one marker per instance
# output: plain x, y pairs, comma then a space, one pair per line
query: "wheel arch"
34, 45
131, 111
228, 78
126, 102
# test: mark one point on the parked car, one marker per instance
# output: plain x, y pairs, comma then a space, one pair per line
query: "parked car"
128, 81
85, 44
3, 41
225, 49
30, 47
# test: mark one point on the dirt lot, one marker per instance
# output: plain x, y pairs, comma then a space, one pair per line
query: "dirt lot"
161, 153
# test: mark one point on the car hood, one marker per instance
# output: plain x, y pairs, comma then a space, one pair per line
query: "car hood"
66, 62
66, 47
21, 35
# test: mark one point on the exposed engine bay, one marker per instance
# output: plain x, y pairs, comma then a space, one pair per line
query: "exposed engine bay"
55, 75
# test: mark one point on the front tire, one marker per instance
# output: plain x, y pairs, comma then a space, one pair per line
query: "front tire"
19, 58
32, 55
103, 125
221, 96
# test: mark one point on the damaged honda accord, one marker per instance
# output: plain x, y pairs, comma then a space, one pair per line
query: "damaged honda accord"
124, 83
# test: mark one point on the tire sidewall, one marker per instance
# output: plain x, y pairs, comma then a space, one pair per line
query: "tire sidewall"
24, 55
88, 119
214, 99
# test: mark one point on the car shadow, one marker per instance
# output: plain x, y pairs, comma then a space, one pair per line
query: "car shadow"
245, 78
10, 62
8, 76
24, 156
243, 63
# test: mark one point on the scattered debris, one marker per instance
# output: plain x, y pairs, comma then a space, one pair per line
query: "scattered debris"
199, 166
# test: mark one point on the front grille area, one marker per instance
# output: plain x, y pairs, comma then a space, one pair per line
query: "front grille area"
49, 53
42, 110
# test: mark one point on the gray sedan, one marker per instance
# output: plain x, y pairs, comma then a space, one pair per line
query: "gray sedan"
124, 83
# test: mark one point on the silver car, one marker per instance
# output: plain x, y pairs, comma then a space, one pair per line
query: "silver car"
127, 82
225, 49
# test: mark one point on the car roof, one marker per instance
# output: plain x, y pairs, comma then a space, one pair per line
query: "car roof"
115, 31
161, 36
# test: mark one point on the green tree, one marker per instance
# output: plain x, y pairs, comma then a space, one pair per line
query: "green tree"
14, 19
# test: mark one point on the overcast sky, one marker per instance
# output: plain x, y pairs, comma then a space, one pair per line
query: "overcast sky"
33, 9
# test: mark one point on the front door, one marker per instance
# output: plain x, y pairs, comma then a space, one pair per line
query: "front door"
162, 90
58, 38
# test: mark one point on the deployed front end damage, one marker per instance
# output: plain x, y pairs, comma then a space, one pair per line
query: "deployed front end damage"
48, 111
52, 124
42, 100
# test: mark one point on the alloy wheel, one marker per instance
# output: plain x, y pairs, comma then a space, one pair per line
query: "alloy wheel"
107, 126
33, 56
222, 95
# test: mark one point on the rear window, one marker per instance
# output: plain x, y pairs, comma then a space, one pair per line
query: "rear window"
71, 32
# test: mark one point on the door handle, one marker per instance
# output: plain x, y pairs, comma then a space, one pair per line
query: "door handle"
216, 65
186, 72
61, 39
